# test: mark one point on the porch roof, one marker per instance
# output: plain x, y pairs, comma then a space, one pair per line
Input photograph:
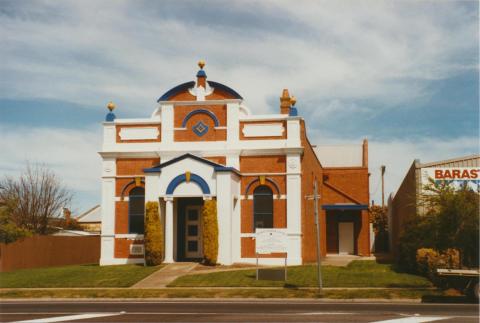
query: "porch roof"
217, 167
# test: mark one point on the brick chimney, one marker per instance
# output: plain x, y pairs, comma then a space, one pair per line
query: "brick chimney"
67, 214
365, 153
285, 102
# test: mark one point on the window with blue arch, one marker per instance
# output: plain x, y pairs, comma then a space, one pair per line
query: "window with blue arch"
263, 207
136, 210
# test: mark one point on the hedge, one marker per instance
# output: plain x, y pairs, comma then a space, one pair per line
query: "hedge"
210, 232
153, 235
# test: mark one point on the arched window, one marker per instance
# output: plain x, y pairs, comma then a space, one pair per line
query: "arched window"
136, 210
263, 207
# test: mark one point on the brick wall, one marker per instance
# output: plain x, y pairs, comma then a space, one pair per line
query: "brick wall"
222, 160
122, 248
263, 164
180, 112
135, 166
403, 206
311, 169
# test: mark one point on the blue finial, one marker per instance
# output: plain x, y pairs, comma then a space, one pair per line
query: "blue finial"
201, 72
110, 116
293, 110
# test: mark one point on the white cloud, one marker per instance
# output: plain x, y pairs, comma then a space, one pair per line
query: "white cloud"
92, 52
71, 154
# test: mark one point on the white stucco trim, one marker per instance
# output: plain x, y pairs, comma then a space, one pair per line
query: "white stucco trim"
206, 102
130, 236
263, 130
263, 117
136, 121
275, 197
108, 220
137, 133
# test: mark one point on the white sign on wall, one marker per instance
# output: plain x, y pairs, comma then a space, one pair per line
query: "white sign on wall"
455, 176
137, 133
270, 240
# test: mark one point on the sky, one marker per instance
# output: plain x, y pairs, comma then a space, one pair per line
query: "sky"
404, 74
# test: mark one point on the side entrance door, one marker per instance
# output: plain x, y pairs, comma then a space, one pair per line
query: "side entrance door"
193, 232
345, 238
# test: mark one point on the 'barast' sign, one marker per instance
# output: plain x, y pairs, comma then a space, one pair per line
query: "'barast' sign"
455, 176
270, 241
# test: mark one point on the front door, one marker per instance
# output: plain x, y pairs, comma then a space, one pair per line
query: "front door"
345, 238
193, 232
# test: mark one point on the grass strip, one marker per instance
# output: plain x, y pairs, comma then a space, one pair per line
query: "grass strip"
76, 276
223, 293
358, 273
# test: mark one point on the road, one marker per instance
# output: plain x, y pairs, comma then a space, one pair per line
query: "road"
214, 310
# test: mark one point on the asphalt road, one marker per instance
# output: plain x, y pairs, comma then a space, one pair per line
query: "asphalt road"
214, 310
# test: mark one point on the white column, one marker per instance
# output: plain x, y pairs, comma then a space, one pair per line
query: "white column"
294, 205
108, 212
293, 132
152, 185
169, 230
109, 136
224, 216
233, 112
167, 123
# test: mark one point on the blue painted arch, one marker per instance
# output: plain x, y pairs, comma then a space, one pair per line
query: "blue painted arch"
183, 178
199, 111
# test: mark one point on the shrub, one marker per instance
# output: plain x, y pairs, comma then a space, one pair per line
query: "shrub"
9, 231
429, 260
210, 232
153, 235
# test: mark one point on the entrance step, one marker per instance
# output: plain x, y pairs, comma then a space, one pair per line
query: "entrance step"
161, 278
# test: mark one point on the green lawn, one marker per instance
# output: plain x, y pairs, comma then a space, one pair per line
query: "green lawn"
76, 276
358, 273
424, 294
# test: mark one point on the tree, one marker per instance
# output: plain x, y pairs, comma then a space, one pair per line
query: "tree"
34, 198
153, 235
9, 231
210, 232
378, 217
455, 216
450, 221
379, 220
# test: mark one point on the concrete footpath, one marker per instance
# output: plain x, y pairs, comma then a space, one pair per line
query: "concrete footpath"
161, 278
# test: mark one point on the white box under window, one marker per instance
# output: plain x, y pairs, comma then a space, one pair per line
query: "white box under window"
136, 249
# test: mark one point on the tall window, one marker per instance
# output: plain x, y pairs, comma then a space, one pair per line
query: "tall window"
136, 210
263, 207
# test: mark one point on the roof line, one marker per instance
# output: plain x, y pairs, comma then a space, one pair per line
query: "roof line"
86, 212
446, 161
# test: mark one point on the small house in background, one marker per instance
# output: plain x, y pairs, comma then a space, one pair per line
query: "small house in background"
91, 220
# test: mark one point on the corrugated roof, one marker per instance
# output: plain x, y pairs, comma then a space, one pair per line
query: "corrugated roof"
467, 161
92, 215
340, 155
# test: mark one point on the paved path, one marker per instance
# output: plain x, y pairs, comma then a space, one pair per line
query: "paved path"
163, 277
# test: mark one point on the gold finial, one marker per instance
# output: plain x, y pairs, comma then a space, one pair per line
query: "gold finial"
201, 63
293, 100
111, 106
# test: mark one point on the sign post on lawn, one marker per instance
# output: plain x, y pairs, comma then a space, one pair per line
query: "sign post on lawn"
268, 241
317, 227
